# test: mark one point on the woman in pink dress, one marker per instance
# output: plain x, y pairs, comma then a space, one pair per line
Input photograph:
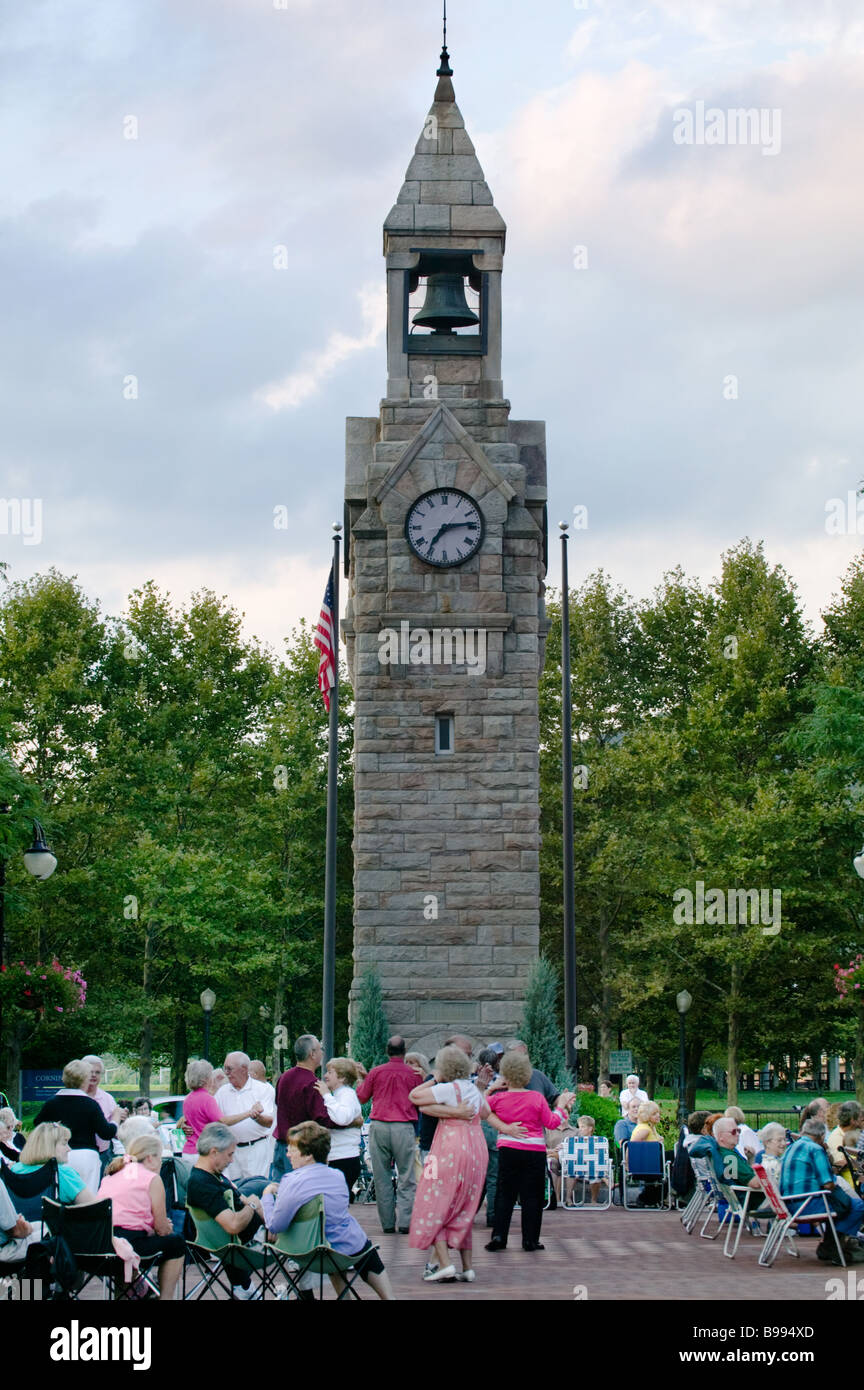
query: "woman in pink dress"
448, 1193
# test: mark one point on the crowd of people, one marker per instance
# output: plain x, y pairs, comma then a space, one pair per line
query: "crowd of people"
816, 1159
472, 1126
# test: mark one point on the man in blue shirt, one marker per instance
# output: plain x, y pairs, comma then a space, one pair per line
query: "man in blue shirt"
807, 1168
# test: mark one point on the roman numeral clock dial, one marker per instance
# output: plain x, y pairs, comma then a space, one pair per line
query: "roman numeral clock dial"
444, 528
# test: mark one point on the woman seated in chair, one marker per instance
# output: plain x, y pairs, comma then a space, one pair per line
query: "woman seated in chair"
311, 1176
11, 1140
43, 1170
646, 1132
135, 1188
773, 1145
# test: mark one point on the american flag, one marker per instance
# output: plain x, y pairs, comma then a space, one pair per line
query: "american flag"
324, 641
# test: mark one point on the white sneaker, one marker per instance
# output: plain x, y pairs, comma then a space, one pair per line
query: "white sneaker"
441, 1276
246, 1295
466, 1276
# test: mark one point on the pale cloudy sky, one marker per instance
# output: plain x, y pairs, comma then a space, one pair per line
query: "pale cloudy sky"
261, 127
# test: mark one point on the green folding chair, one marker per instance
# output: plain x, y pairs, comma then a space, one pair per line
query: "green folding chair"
217, 1255
303, 1249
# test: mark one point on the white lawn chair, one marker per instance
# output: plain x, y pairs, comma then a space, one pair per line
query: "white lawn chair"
810, 1207
703, 1195
586, 1158
737, 1216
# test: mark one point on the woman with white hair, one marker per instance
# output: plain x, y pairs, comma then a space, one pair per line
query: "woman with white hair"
11, 1140
82, 1116
199, 1107
106, 1102
773, 1144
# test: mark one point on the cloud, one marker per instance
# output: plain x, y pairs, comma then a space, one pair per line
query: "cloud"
317, 367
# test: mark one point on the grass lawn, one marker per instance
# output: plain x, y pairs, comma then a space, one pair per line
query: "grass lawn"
750, 1101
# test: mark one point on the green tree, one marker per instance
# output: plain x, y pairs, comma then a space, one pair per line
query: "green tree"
370, 1032
539, 1029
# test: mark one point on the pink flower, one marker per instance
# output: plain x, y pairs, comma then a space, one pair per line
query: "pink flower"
57, 1007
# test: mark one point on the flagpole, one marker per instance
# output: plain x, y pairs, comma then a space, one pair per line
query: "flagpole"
570, 1003
329, 987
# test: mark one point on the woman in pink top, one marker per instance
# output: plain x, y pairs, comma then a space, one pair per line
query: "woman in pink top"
199, 1107
138, 1213
522, 1160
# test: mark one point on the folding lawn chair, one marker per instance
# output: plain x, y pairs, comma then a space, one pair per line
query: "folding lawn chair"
587, 1159
704, 1195
645, 1161
88, 1233
737, 1215
305, 1250
217, 1256
786, 1221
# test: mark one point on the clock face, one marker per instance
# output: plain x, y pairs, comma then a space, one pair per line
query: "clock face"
444, 527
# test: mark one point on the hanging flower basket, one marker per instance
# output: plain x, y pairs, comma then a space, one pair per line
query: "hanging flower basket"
849, 979
48, 989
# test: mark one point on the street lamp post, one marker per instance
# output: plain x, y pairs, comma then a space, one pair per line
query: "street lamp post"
41, 863
208, 1000
571, 1005
683, 1002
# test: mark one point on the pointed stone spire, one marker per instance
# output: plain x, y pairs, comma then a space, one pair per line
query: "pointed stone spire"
445, 189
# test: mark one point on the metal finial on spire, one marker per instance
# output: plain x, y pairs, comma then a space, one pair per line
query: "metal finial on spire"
445, 69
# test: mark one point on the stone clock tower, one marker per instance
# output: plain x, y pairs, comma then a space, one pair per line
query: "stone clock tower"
446, 556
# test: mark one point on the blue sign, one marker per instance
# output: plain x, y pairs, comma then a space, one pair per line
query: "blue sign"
41, 1083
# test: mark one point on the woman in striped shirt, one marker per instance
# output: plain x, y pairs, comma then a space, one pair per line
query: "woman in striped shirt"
522, 1160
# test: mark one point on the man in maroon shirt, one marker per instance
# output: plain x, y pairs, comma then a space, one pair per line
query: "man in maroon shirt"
392, 1135
297, 1100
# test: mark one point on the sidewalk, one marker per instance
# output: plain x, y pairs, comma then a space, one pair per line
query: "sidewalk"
610, 1255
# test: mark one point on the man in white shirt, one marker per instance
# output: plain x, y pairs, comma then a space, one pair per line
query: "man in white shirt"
630, 1091
258, 1072
244, 1104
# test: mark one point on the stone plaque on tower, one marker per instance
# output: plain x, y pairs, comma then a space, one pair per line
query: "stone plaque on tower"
445, 628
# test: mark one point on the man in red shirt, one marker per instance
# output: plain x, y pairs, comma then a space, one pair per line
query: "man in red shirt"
297, 1100
392, 1135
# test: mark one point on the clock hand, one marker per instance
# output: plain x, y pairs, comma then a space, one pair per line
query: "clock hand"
454, 526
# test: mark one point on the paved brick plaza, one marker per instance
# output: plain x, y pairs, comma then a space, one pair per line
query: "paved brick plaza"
614, 1254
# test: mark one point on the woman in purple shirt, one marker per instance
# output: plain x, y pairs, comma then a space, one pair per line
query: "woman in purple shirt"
310, 1176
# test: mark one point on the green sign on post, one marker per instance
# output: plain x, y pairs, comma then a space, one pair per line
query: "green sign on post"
621, 1063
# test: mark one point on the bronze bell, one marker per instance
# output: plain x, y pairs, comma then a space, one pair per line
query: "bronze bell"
446, 307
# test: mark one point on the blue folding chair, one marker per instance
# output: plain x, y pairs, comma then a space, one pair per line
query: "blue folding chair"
645, 1162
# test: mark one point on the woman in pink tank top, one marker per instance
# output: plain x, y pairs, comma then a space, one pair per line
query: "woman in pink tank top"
138, 1211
